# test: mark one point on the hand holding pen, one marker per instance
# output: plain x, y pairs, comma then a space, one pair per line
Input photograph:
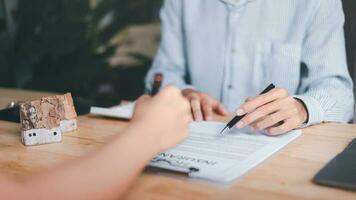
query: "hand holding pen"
238, 118
276, 112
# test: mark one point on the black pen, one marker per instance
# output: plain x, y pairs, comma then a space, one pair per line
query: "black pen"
157, 82
237, 118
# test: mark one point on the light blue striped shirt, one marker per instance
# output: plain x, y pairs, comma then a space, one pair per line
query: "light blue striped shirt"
232, 49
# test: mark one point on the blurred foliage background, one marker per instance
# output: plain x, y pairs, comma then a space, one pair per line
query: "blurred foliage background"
99, 50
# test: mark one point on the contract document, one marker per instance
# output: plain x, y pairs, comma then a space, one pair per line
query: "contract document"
206, 154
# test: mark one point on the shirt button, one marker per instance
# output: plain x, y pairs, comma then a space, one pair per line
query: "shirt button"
233, 50
230, 87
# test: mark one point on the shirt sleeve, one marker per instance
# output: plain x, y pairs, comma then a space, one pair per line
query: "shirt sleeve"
170, 58
326, 87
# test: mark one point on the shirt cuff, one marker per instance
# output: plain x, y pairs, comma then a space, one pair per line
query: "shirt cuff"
315, 111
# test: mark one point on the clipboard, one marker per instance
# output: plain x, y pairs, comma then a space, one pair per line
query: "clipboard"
208, 155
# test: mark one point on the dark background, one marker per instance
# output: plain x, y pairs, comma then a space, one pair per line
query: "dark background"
350, 34
69, 45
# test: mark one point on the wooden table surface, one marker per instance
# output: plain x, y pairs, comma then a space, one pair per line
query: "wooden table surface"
286, 175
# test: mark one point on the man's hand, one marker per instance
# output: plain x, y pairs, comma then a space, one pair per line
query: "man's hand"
203, 106
165, 116
276, 112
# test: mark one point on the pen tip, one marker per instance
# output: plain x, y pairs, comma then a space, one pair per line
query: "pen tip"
222, 131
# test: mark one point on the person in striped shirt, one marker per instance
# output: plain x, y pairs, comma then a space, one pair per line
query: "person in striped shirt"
220, 52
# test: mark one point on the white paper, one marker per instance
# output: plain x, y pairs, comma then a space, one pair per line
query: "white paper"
220, 158
123, 111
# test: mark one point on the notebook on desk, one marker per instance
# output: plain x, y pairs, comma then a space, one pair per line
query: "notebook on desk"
339, 172
208, 155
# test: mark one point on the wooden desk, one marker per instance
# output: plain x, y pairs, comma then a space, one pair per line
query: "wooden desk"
286, 175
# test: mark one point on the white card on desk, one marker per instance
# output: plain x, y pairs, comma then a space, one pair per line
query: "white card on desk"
207, 154
122, 111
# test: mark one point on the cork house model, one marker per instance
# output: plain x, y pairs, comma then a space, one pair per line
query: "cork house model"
43, 121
